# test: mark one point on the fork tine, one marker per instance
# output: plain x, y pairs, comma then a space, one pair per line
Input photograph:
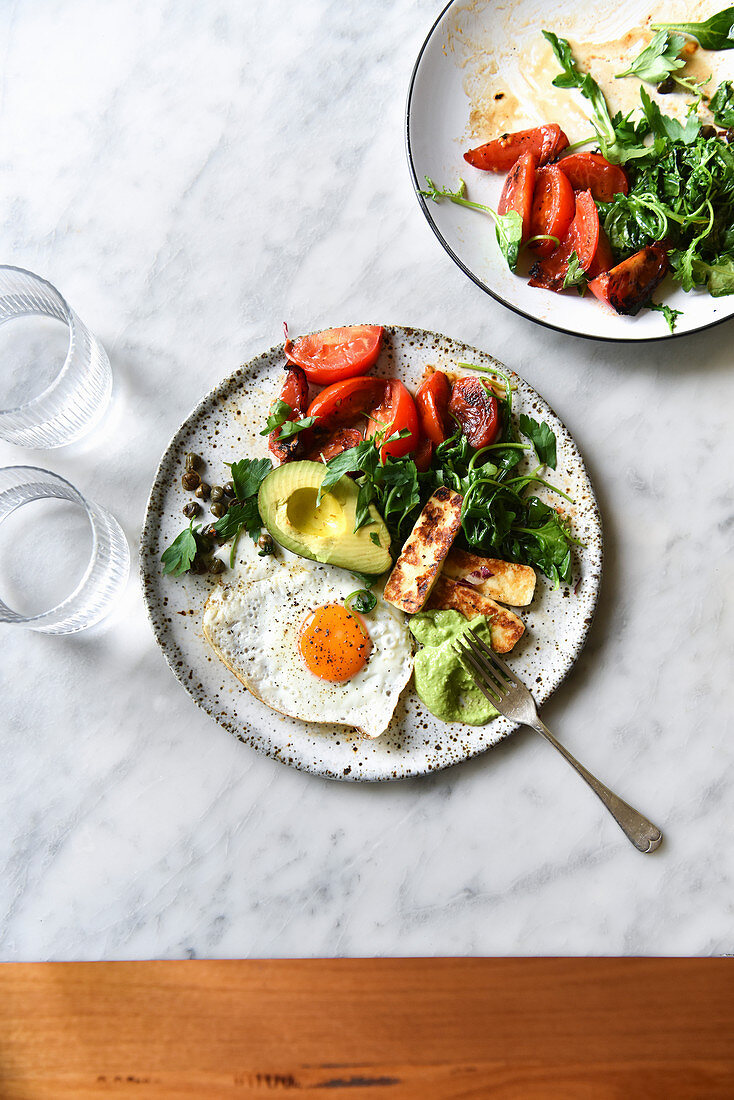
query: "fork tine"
476, 672
488, 677
488, 669
495, 659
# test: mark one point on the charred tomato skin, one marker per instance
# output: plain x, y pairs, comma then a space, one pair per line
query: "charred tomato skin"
294, 392
476, 410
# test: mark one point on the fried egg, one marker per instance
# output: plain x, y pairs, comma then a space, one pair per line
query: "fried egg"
281, 626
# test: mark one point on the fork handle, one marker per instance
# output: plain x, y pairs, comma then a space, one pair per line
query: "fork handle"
645, 836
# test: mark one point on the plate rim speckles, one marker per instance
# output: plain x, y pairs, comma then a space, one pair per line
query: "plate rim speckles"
416, 743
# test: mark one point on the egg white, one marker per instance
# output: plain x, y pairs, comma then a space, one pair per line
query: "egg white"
253, 622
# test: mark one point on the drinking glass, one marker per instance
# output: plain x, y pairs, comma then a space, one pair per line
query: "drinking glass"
79, 394
106, 574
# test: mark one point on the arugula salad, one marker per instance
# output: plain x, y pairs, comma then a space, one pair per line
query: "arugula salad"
654, 197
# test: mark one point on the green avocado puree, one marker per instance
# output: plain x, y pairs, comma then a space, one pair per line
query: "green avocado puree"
441, 679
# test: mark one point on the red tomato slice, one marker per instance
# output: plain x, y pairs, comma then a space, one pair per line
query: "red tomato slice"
603, 257
432, 401
329, 446
553, 207
336, 353
517, 194
424, 454
544, 142
629, 285
294, 392
582, 238
592, 172
386, 403
476, 410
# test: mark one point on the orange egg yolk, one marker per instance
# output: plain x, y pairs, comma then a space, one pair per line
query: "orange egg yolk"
334, 643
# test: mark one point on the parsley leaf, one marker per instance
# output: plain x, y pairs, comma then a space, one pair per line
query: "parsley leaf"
716, 33
665, 127
575, 276
279, 418
241, 514
508, 227
247, 475
658, 59
374, 537
178, 557
722, 104
542, 437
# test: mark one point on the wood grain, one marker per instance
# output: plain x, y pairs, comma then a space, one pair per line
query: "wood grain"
516, 1029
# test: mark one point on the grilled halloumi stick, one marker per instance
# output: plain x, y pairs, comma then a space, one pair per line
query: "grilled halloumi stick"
419, 565
505, 581
504, 626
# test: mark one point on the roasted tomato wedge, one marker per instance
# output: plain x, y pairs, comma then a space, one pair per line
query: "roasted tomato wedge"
582, 238
517, 194
386, 404
332, 444
628, 286
603, 257
592, 172
476, 410
432, 401
336, 353
294, 392
552, 209
424, 454
544, 142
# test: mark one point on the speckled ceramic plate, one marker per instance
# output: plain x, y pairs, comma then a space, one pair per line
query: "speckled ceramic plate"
224, 427
481, 49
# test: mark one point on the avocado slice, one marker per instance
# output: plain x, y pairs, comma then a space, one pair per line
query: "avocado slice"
287, 503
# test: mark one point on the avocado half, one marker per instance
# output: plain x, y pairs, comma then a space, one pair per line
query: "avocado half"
287, 503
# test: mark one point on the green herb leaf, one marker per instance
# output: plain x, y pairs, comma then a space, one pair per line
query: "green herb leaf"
362, 601
722, 104
575, 276
658, 59
716, 33
247, 475
242, 515
178, 557
508, 227
666, 127
375, 538
542, 437
278, 417
671, 315
364, 579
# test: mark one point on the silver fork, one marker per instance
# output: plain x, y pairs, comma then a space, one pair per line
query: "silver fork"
496, 680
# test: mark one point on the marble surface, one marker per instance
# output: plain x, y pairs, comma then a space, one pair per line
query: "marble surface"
189, 176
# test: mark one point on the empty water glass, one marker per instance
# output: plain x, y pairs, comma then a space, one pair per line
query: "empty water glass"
43, 404
104, 575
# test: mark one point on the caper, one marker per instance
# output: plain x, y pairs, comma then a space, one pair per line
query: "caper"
198, 565
209, 532
217, 492
191, 509
190, 480
193, 462
708, 131
218, 509
666, 86
229, 488
217, 566
202, 490
728, 135
266, 545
